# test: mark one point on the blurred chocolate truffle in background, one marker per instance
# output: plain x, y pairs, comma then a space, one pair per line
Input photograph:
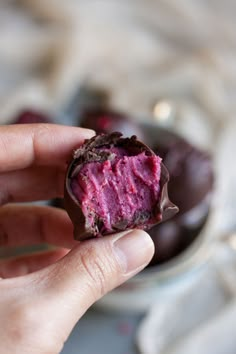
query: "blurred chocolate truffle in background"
190, 170
31, 116
104, 120
190, 187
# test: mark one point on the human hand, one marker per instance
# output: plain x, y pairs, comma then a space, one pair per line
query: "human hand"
42, 296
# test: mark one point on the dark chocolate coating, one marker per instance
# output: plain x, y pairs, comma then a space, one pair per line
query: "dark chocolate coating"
89, 152
173, 236
190, 169
190, 187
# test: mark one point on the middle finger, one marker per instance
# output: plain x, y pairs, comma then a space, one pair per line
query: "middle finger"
31, 225
31, 184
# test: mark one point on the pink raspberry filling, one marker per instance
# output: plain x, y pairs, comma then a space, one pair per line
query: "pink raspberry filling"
119, 192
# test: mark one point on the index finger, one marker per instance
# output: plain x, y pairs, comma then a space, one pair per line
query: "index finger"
38, 144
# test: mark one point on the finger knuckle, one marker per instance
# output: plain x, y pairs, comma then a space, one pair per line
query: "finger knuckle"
96, 270
42, 133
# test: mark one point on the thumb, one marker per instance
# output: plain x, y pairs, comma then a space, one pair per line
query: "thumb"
89, 271
97, 266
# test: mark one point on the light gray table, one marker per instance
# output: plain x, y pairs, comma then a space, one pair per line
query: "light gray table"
103, 333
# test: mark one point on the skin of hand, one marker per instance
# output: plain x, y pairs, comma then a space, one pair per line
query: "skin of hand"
42, 296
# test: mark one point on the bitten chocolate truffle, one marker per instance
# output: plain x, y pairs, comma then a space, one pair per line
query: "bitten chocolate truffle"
113, 184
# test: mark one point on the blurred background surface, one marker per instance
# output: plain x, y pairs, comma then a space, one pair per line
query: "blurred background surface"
168, 65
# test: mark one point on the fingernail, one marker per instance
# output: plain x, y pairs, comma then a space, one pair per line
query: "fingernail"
89, 132
134, 250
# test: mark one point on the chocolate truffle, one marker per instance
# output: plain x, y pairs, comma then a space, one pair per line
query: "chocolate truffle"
31, 116
191, 172
113, 184
104, 120
173, 236
190, 187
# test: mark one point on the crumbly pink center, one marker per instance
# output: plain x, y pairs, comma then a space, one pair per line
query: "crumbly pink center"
123, 190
